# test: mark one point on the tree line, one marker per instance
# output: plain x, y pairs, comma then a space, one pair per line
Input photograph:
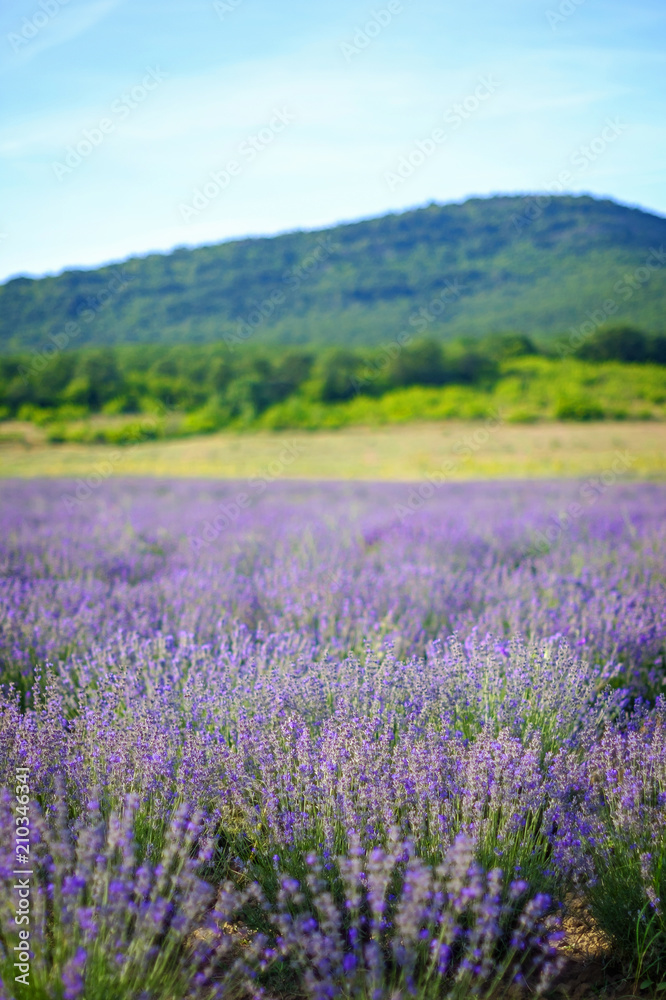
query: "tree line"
142, 378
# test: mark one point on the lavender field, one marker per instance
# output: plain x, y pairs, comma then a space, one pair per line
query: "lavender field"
326, 746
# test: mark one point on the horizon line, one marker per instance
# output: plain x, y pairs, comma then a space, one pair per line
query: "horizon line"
74, 268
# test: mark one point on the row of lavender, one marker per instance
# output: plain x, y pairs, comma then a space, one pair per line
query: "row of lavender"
287, 670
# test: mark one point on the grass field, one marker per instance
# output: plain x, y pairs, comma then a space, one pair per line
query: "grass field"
460, 450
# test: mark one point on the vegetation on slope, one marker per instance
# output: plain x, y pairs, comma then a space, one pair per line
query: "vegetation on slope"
539, 266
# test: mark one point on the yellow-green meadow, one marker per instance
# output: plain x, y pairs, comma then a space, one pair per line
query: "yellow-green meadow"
459, 449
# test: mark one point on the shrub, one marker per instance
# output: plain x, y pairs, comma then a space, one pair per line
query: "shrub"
578, 408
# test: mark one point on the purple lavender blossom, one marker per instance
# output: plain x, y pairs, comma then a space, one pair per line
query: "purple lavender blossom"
328, 686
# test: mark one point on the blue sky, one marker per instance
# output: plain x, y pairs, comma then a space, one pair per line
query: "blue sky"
296, 114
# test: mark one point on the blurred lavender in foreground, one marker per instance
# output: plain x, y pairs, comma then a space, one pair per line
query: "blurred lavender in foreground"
402, 928
106, 923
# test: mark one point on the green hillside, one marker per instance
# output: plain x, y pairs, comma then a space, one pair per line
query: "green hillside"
531, 265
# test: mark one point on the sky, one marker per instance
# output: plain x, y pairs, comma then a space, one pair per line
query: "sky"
130, 126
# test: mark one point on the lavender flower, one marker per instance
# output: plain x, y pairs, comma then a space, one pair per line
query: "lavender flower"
456, 696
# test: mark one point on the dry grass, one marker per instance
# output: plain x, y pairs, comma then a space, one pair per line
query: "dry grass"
404, 453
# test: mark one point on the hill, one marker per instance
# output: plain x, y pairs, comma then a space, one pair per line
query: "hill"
534, 265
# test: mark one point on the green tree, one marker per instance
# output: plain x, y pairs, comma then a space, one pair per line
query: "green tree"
338, 372
422, 363
615, 343
96, 379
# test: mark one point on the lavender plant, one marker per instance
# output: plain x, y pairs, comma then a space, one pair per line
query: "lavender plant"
322, 672
103, 923
625, 828
401, 928
476, 741
308, 570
